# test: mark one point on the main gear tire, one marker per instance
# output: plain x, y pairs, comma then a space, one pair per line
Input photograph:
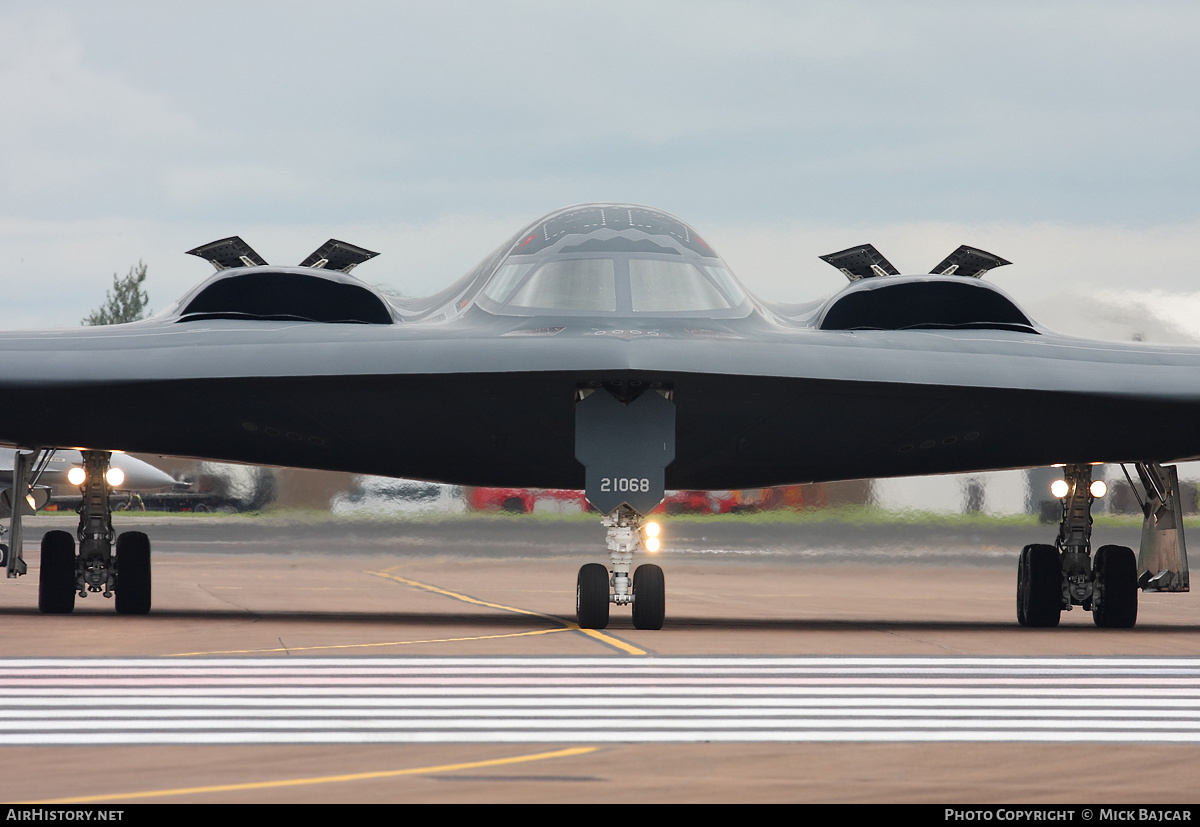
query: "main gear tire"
1116, 575
1042, 592
133, 573
649, 597
56, 581
591, 597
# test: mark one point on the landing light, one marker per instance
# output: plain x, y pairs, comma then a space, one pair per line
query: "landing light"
1098, 489
651, 543
76, 476
1059, 488
115, 477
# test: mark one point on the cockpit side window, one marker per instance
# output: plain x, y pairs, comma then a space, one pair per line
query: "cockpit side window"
505, 280
658, 286
725, 280
587, 284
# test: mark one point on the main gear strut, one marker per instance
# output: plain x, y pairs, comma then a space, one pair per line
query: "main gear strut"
96, 569
1067, 574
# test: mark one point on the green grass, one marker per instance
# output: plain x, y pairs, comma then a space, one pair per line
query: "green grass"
873, 515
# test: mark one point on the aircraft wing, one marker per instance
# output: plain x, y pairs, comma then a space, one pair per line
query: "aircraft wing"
606, 347
488, 399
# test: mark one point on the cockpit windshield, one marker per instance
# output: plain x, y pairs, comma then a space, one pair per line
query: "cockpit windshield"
665, 286
610, 258
622, 284
570, 284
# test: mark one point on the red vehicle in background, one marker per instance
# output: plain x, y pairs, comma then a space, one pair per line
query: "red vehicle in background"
688, 502
789, 497
524, 500
527, 500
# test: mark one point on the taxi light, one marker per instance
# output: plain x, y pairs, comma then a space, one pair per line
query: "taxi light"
1059, 488
651, 544
115, 477
76, 475
1098, 489
652, 529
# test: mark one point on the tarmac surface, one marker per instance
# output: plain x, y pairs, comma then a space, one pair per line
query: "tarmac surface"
253, 588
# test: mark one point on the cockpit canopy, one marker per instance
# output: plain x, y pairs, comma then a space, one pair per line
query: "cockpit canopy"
612, 259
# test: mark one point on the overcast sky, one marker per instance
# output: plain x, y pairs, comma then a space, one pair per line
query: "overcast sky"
1062, 136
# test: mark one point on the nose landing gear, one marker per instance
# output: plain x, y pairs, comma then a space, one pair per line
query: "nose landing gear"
596, 590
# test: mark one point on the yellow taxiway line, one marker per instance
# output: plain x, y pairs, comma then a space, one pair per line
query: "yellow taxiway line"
565, 626
322, 779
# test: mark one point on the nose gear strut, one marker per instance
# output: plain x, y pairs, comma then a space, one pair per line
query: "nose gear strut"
625, 439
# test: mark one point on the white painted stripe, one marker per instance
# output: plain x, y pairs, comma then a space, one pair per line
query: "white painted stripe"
612, 663
589, 736
1134, 694
598, 719
535, 707
398, 700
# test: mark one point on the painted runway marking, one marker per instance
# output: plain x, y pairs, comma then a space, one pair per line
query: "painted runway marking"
598, 700
609, 640
325, 779
560, 625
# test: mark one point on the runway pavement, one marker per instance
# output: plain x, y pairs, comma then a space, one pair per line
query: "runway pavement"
337, 660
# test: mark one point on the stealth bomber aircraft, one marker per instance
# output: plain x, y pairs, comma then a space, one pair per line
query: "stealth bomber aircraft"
608, 347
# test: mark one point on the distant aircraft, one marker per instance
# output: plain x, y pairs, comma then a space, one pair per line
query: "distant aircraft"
130, 473
64, 469
607, 347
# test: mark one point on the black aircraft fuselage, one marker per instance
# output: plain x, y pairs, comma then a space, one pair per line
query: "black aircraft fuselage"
309, 367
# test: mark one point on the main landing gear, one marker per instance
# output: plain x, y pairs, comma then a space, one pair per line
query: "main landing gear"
596, 589
1054, 578
125, 574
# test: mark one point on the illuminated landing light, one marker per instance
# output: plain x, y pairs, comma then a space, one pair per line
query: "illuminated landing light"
32, 503
76, 476
1059, 488
115, 477
651, 543
1098, 489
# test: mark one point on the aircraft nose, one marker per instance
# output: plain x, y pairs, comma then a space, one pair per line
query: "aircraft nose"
139, 475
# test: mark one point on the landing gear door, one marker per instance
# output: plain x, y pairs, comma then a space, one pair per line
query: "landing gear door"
1162, 560
625, 449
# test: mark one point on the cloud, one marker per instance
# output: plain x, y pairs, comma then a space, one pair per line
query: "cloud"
1049, 260
1063, 138
80, 139
836, 112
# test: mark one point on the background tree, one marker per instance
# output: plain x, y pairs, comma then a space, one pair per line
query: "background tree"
126, 302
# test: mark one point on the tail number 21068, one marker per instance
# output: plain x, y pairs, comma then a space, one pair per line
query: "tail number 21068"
624, 484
